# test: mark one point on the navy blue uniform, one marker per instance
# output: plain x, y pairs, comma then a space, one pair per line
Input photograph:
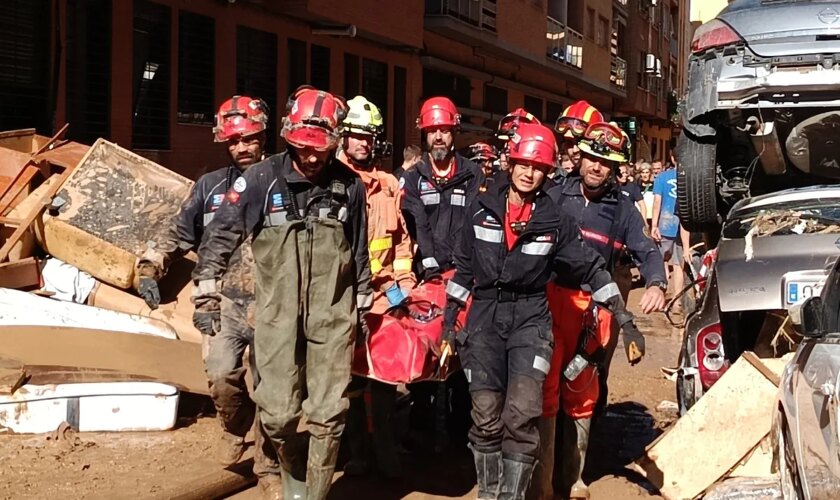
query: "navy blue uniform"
435, 209
597, 221
507, 342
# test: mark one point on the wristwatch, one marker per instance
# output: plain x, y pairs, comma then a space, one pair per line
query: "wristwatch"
660, 284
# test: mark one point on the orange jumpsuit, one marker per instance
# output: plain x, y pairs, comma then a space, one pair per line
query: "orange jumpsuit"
388, 241
568, 322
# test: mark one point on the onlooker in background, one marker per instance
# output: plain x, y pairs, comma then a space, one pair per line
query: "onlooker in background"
566, 163
411, 155
666, 228
630, 189
645, 182
656, 168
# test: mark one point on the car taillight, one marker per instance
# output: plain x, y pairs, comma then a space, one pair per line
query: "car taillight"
711, 362
713, 34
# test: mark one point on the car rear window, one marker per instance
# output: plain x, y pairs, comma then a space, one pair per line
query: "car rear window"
799, 217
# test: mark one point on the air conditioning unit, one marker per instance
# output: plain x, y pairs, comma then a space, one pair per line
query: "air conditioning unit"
650, 63
653, 3
658, 68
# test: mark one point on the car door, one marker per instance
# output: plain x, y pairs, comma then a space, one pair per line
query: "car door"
818, 399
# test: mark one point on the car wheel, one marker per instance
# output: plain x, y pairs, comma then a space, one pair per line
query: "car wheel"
696, 183
787, 464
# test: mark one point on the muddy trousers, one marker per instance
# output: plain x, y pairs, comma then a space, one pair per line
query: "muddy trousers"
223, 363
306, 318
506, 349
382, 401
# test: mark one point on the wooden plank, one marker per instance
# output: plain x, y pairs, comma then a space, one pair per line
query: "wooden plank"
51, 140
218, 483
168, 361
16, 188
26, 246
24, 274
12, 375
715, 435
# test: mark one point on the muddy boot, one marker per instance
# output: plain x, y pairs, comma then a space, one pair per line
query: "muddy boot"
541, 485
575, 443
356, 437
488, 471
323, 452
229, 449
516, 474
271, 487
383, 398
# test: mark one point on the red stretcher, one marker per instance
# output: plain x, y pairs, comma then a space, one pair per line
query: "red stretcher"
403, 346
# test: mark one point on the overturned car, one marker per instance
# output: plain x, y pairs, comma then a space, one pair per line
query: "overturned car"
763, 106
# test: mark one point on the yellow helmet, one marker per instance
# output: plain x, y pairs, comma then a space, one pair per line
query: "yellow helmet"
363, 117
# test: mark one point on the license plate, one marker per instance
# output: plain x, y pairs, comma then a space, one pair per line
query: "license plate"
797, 291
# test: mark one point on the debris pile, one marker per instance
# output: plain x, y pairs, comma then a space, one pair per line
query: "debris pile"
75, 342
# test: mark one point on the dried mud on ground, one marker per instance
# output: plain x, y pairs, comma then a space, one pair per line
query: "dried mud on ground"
146, 465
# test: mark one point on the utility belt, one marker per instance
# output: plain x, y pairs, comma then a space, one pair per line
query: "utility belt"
507, 295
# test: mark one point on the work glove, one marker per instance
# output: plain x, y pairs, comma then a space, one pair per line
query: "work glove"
149, 291
395, 295
447, 338
207, 318
432, 274
634, 341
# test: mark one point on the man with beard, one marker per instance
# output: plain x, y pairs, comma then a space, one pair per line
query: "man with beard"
305, 212
437, 192
240, 125
608, 221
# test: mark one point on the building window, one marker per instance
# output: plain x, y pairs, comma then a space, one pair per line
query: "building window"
88, 70
602, 32
495, 100
351, 76
375, 83
150, 124
457, 88
590, 23
319, 73
297, 64
25, 65
256, 73
553, 110
534, 105
196, 71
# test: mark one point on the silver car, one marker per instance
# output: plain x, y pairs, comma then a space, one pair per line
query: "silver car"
806, 425
762, 111
774, 252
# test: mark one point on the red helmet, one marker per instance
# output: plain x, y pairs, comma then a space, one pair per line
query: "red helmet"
240, 116
512, 120
482, 151
438, 111
313, 119
574, 120
534, 142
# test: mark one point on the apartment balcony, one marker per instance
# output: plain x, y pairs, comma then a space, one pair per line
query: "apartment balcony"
618, 72
480, 14
564, 44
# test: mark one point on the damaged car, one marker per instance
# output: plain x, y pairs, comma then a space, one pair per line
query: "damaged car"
806, 423
762, 112
775, 251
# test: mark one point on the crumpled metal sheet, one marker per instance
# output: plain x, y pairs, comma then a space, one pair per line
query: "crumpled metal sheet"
746, 488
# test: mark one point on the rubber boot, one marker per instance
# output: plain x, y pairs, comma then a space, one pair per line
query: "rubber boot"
323, 452
383, 398
357, 437
230, 448
293, 489
516, 474
541, 485
575, 443
488, 471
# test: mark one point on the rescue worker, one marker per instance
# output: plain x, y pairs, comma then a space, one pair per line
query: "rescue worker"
437, 192
570, 125
392, 279
484, 155
608, 222
240, 124
515, 240
507, 126
305, 213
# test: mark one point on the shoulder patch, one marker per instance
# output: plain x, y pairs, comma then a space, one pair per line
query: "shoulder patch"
402, 182
239, 184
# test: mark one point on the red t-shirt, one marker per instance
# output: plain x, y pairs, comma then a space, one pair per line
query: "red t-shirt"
513, 215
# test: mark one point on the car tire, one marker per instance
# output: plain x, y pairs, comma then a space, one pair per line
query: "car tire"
696, 183
788, 478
